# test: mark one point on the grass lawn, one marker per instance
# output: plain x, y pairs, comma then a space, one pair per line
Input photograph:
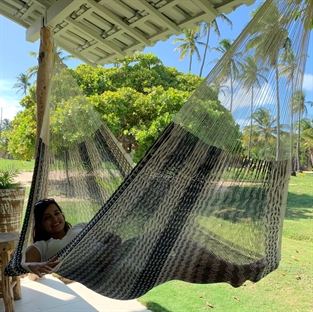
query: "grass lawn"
289, 288
17, 164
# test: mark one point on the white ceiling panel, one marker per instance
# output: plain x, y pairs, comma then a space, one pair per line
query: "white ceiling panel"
102, 31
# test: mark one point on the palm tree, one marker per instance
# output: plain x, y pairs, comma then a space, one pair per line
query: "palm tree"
307, 136
305, 13
299, 106
32, 71
217, 85
5, 124
5, 128
264, 126
206, 28
230, 66
251, 75
23, 83
189, 45
290, 67
269, 37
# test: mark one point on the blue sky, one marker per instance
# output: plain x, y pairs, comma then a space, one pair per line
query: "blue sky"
14, 58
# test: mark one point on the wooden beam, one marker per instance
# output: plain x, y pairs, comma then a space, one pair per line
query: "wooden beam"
231, 6
43, 79
28, 11
6, 10
159, 16
208, 8
101, 41
55, 14
114, 19
42, 3
65, 47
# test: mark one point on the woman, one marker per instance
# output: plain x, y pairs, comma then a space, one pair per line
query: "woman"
52, 233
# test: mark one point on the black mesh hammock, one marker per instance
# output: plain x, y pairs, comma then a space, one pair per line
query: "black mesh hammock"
206, 203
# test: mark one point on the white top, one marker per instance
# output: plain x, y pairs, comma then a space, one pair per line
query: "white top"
50, 247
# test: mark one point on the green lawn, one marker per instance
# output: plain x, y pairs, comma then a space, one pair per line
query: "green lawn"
289, 288
17, 164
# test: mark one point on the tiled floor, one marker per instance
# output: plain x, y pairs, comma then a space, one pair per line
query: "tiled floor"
51, 295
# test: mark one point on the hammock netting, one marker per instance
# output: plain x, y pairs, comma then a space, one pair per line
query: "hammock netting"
203, 205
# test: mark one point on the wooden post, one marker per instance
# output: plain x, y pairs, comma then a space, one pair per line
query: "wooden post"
9, 286
43, 78
7, 298
17, 290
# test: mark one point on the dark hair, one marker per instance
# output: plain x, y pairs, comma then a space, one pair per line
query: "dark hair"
40, 206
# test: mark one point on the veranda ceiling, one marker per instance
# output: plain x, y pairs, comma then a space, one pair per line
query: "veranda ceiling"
101, 31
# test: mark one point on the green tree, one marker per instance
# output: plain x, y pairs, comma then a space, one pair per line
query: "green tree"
136, 100
32, 71
206, 28
269, 38
251, 75
264, 127
139, 71
299, 106
23, 83
307, 137
230, 70
289, 67
5, 129
22, 137
189, 45
137, 119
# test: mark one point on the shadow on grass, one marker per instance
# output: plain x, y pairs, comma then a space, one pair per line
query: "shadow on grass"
155, 307
299, 206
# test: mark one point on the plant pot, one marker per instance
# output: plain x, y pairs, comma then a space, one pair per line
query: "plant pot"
11, 209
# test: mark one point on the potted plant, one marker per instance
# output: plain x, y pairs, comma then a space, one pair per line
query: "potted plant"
12, 196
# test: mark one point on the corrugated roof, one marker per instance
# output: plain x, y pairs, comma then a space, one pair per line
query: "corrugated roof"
102, 31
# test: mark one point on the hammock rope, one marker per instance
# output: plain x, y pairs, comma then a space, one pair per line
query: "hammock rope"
203, 205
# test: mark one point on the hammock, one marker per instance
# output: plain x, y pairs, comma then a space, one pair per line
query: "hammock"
214, 182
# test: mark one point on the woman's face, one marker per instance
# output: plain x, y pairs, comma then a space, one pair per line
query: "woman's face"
53, 221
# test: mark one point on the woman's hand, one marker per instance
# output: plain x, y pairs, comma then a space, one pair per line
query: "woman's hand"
42, 268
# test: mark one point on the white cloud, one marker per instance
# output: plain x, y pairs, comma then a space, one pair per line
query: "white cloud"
9, 108
308, 82
262, 96
9, 100
6, 86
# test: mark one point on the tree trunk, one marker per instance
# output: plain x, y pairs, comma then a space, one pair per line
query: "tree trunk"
266, 145
311, 155
231, 92
277, 114
43, 78
250, 133
205, 49
298, 140
291, 131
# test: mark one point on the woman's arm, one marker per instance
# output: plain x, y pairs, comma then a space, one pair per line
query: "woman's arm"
34, 264
33, 254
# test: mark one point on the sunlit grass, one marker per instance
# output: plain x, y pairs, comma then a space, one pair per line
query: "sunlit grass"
17, 164
289, 288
